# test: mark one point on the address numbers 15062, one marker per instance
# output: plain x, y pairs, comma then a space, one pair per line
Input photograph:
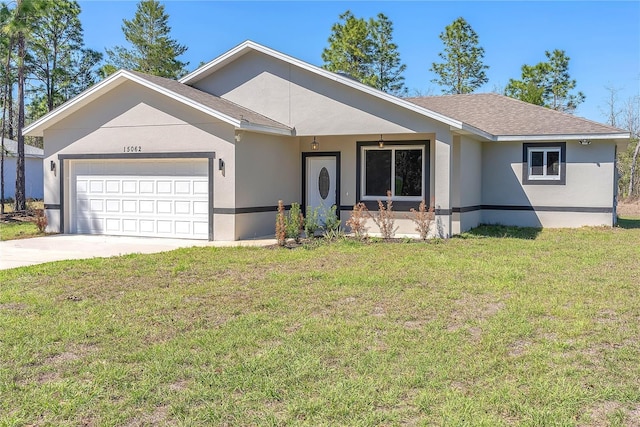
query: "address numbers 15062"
132, 148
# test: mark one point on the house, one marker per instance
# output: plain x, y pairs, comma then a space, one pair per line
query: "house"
209, 156
33, 174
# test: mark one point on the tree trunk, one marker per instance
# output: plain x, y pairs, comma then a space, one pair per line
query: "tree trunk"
632, 174
20, 173
6, 97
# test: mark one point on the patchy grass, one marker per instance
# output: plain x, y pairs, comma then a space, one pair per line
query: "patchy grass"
20, 225
539, 327
11, 230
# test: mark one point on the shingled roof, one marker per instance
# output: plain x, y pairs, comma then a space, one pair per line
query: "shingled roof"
500, 115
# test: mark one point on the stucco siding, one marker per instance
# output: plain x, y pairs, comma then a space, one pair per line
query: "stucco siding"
466, 183
314, 105
587, 192
135, 121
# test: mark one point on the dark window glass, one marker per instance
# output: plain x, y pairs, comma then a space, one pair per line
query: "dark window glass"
553, 163
377, 172
408, 179
537, 162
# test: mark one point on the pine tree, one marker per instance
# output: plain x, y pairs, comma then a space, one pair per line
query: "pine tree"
462, 70
365, 51
152, 51
547, 83
17, 27
350, 48
386, 65
57, 59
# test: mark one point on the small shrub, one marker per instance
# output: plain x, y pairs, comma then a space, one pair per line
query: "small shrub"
332, 228
384, 220
357, 221
311, 222
41, 220
422, 218
294, 223
281, 229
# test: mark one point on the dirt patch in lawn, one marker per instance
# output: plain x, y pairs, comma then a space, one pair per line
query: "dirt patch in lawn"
629, 208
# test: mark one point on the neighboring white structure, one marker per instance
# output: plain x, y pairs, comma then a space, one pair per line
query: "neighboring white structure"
32, 169
210, 156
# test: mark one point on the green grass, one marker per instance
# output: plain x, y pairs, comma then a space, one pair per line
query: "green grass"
501, 326
18, 230
11, 229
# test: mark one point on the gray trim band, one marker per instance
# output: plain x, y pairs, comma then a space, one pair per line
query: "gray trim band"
256, 209
52, 207
576, 209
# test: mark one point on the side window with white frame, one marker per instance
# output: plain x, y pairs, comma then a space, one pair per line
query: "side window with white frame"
544, 163
397, 167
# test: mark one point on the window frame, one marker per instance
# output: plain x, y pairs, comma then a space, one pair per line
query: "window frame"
529, 148
401, 202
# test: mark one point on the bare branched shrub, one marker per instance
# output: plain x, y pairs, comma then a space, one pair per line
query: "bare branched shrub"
281, 228
357, 221
384, 220
423, 218
41, 220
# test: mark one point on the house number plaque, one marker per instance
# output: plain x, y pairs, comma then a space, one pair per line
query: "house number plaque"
132, 148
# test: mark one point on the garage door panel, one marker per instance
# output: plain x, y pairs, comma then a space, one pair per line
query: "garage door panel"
168, 206
113, 186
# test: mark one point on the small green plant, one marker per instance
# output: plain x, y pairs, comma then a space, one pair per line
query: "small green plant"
423, 218
41, 220
357, 221
281, 229
311, 222
332, 228
294, 222
385, 220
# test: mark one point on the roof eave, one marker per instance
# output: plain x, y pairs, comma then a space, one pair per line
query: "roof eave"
252, 127
37, 128
563, 137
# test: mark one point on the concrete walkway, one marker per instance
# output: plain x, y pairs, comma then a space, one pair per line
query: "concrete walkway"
58, 247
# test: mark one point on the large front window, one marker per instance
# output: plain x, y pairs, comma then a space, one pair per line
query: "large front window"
399, 169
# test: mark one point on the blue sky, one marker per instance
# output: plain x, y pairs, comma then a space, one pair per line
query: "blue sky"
601, 38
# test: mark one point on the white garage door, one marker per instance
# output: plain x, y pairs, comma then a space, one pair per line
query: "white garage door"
150, 205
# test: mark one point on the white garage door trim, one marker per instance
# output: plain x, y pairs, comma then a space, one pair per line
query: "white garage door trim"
153, 205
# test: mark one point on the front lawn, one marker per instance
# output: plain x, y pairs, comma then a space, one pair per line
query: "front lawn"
498, 327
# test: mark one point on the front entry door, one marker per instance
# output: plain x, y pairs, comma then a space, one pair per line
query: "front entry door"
321, 183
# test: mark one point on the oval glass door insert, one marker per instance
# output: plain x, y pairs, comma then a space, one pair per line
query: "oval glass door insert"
324, 183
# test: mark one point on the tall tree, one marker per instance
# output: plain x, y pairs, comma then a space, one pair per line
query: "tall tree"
365, 51
547, 83
462, 70
17, 26
350, 48
6, 45
152, 51
386, 63
57, 59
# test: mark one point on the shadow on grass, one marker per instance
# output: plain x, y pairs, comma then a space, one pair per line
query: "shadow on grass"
502, 231
629, 223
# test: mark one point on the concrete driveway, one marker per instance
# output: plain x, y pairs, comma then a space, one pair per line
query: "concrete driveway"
58, 247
